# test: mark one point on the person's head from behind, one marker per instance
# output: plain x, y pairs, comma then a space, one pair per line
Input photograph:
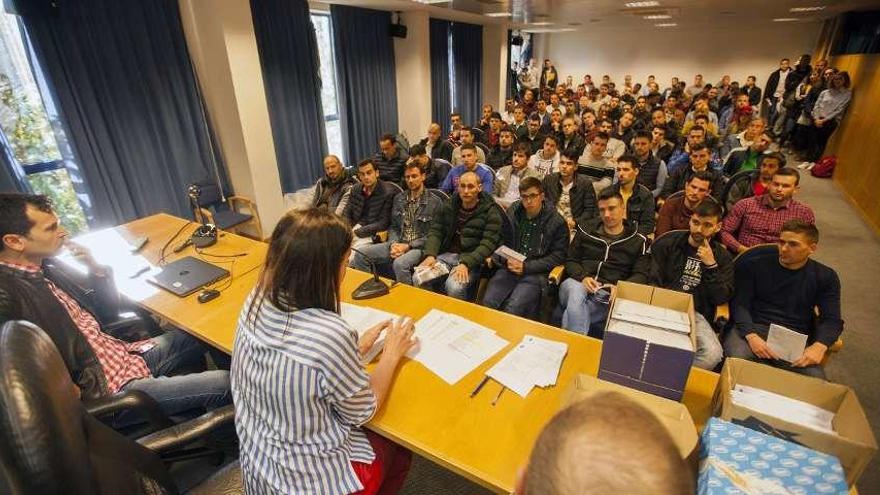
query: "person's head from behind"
388, 145
531, 193
784, 185
699, 155
627, 169
469, 188
333, 167
305, 263
798, 240
29, 229
414, 176
697, 188
769, 164
568, 164
637, 453
469, 156
367, 173
520, 156
641, 144
705, 222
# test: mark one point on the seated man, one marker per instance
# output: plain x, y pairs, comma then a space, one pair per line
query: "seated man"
467, 137
785, 288
681, 158
691, 261
604, 250
675, 214
501, 154
570, 139
435, 145
435, 170
390, 159
571, 193
469, 164
638, 203
595, 165
747, 158
533, 136
759, 219
546, 159
412, 212
744, 139
759, 182
541, 236
699, 162
463, 234
508, 178
332, 190
615, 148
652, 170
616, 429
33, 288
369, 205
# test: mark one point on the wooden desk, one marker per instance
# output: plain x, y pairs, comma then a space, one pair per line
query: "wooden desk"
440, 422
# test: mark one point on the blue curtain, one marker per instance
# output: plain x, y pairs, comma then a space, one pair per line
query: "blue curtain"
124, 81
291, 74
367, 84
467, 55
440, 92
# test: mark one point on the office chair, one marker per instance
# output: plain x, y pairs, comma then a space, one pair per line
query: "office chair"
50, 444
228, 217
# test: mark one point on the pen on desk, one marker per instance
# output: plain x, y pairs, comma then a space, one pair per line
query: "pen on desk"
495, 400
140, 272
480, 386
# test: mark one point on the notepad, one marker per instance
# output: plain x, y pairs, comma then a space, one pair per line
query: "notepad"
534, 362
361, 318
787, 344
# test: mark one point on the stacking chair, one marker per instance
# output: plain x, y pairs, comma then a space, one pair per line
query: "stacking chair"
228, 215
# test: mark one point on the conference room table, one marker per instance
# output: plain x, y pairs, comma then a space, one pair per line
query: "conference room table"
484, 443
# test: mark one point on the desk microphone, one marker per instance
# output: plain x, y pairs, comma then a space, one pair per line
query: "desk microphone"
373, 287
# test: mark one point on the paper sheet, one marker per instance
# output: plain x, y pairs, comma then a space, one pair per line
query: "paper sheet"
361, 318
655, 316
452, 346
787, 344
533, 362
782, 407
508, 253
652, 334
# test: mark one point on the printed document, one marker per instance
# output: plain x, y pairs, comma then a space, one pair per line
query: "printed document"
361, 318
782, 407
533, 362
787, 344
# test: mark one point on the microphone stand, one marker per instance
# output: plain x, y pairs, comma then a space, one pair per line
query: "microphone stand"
206, 234
373, 287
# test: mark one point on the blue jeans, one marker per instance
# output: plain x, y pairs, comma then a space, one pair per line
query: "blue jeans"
180, 395
735, 345
708, 353
580, 312
381, 255
515, 294
451, 287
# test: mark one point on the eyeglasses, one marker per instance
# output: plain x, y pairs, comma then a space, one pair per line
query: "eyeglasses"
529, 197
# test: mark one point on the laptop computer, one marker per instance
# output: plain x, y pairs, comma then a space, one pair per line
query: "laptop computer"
187, 275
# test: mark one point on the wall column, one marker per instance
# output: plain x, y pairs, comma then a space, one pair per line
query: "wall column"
413, 66
494, 65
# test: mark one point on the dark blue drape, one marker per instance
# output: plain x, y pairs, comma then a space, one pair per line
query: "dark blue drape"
291, 74
366, 78
441, 105
124, 81
467, 55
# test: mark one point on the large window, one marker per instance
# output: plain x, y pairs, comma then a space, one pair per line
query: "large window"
321, 21
31, 127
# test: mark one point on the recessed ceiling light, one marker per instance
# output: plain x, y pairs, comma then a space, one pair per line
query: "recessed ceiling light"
666, 24
428, 2
548, 30
542, 23
785, 19
807, 9
498, 14
658, 16
642, 4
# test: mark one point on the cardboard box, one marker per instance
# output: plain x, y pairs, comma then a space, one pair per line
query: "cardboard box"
674, 415
854, 444
634, 362
735, 459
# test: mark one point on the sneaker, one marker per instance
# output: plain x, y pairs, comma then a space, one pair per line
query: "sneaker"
804, 165
810, 166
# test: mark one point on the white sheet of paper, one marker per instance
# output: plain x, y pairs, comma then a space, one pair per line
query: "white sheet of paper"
508, 253
361, 318
787, 344
652, 334
780, 406
646, 314
533, 362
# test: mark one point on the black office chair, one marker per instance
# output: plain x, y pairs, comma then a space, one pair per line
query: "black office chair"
735, 180
440, 193
50, 444
479, 135
227, 215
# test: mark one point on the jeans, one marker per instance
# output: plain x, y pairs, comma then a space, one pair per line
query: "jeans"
515, 294
180, 395
451, 287
735, 345
708, 353
381, 256
580, 312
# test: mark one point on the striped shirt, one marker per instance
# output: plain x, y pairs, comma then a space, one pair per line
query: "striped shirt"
300, 395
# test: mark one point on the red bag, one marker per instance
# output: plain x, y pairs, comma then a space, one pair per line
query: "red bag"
824, 167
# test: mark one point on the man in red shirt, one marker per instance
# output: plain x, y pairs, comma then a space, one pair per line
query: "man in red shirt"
675, 214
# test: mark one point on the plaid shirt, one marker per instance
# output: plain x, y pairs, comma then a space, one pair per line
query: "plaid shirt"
119, 359
754, 221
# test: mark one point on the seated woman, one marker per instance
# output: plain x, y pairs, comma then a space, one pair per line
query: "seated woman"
300, 391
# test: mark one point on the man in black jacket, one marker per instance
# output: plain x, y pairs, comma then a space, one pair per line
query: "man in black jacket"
571, 193
369, 205
699, 158
33, 288
638, 202
604, 251
390, 159
435, 145
540, 236
691, 261
502, 154
332, 190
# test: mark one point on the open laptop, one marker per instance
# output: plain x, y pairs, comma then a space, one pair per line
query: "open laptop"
187, 275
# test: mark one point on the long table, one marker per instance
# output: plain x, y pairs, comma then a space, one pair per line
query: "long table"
484, 443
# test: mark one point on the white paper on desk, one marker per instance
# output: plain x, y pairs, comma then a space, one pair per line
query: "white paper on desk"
533, 362
782, 407
361, 318
655, 316
787, 344
452, 346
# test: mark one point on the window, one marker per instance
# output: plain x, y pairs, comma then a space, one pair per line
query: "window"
326, 58
31, 126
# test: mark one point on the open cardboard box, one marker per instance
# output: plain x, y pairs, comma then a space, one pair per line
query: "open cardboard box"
854, 444
657, 369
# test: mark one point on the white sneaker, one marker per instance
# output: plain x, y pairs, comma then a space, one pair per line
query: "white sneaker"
804, 165
810, 166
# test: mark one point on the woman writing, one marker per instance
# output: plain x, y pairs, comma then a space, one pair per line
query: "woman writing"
300, 391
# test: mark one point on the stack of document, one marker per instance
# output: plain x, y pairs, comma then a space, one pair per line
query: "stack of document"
535, 362
361, 318
509, 254
661, 326
452, 346
782, 407
423, 274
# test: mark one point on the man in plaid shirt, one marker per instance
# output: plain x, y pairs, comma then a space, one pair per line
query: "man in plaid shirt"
31, 289
759, 219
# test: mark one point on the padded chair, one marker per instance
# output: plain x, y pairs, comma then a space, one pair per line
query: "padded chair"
479, 135
228, 215
50, 443
739, 177
440, 193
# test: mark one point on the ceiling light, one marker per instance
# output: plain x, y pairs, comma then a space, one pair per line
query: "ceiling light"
542, 23
548, 30
658, 16
635, 5
785, 19
807, 9
666, 24
498, 14
428, 2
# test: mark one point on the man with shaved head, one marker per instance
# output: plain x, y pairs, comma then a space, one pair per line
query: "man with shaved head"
333, 189
435, 145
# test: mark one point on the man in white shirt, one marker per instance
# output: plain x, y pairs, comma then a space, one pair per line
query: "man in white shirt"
508, 177
546, 160
594, 163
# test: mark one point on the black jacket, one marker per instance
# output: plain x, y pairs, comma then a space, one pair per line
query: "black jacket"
736, 160
549, 247
373, 213
582, 195
640, 208
591, 256
773, 80
442, 150
27, 296
480, 235
754, 95
668, 257
391, 169
576, 144
676, 181
336, 193
498, 157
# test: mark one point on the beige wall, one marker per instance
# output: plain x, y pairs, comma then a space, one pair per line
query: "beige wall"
739, 51
413, 66
494, 64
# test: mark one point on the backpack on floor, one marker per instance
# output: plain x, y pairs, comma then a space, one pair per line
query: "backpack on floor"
824, 167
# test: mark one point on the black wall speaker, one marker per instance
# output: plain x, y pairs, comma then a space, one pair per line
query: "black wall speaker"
397, 31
